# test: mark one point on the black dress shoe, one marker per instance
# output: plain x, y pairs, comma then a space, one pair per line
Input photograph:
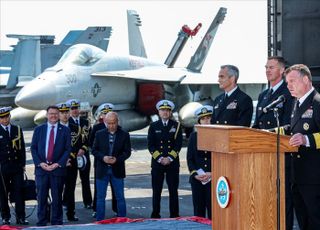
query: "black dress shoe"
155, 216
5, 222
22, 221
73, 218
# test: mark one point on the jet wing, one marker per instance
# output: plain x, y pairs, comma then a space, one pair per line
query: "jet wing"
158, 74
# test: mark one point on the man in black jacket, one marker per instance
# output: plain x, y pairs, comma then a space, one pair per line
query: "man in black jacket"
83, 151
101, 112
72, 167
275, 67
233, 107
12, 167
111, 147
305, 131
164, 144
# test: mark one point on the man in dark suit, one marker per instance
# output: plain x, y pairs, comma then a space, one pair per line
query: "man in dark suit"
50, 149
72, 167
101, 112
12, 167
164, 144
233, 107
111, 148
266, 120
199, 165
83, 151
305, 131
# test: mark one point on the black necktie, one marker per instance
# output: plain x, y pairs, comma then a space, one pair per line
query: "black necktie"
77, 121
296, 108
7, 131
269, 94
164, 124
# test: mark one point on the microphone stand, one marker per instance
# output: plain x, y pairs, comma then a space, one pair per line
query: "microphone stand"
276, 115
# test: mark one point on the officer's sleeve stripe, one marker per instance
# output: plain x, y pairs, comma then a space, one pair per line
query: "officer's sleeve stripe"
155, 154
281, 131
316, 137
173, 154
193, 172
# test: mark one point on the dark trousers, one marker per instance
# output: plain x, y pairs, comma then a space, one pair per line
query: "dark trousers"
201, 197
172, 179
306, 198
12, 182
44, 183
288, 192
85, 183
69, 190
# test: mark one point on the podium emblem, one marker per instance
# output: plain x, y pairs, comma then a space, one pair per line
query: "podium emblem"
223, 192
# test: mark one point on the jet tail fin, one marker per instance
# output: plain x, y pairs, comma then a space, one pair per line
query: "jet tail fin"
136, 45
182, 39
26, 62
98, 36
197, 60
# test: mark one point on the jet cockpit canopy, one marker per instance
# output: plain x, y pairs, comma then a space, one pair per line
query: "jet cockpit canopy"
81, 55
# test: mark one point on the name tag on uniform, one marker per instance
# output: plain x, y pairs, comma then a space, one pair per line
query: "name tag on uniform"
307, 114
158, 131
232, 105
1, 137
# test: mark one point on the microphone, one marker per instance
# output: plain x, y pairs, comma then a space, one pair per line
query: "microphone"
274, 103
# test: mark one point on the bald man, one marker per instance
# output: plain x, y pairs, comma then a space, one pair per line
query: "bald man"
111, 147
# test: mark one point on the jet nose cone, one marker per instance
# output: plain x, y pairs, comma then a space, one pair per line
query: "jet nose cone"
37, 95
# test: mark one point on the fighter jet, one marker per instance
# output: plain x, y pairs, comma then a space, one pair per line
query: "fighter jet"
133, 84
34, 53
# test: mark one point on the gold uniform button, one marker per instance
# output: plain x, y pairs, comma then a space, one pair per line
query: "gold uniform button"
169, 146
205, 158
260, 123
268, 122
205, 165
225, 122
217, 122
169, 141
161, 142
298, 156
205, 151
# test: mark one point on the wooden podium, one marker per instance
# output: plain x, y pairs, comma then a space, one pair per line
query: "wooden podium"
246, 157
